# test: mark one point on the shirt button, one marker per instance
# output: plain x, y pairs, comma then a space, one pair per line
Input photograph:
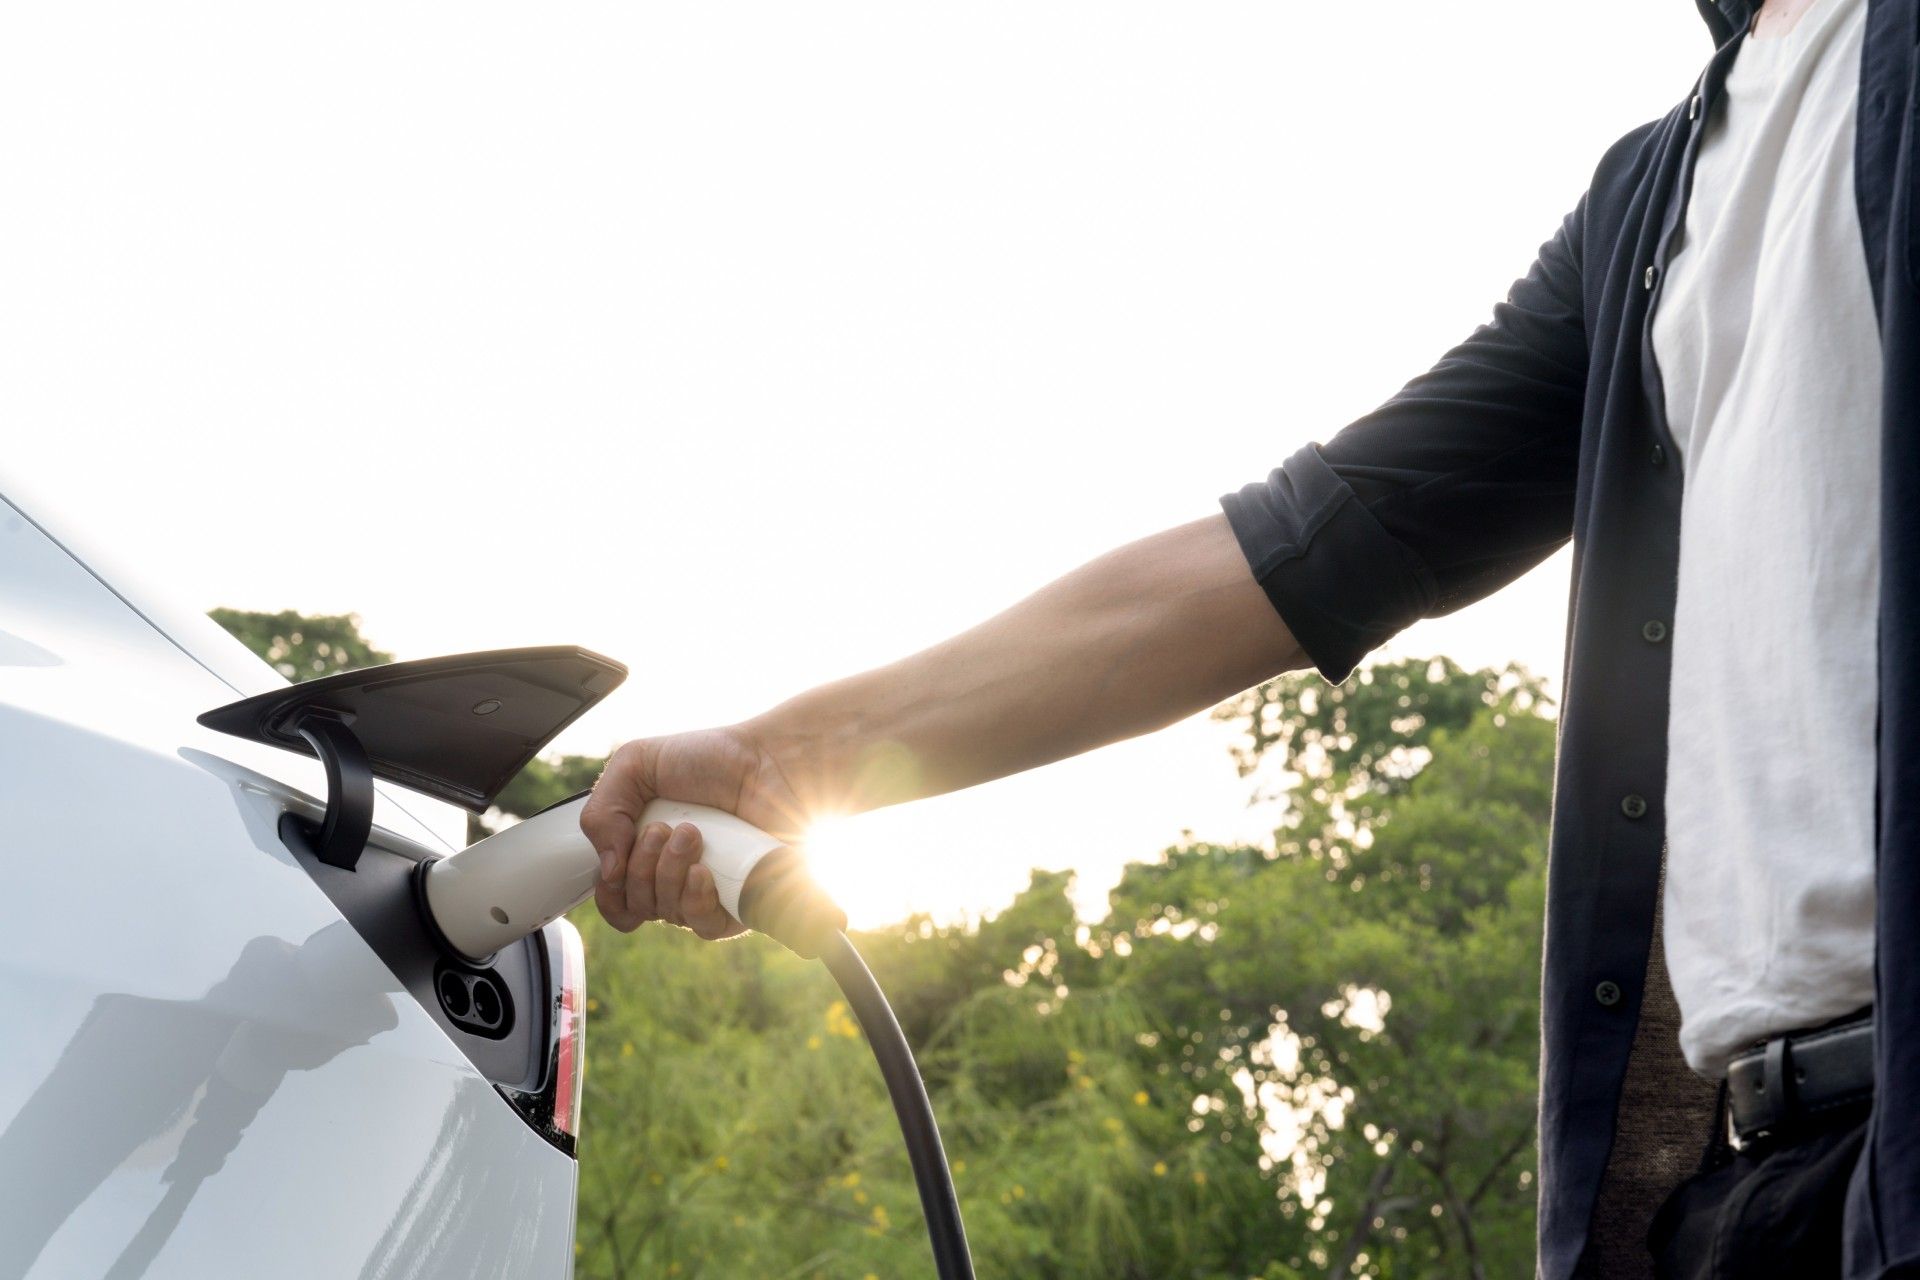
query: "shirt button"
1693, 107
1654, 631
1633, 806
1653, 273
1659, 456
1607, 993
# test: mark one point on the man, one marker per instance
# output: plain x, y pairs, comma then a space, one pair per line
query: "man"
1733, 303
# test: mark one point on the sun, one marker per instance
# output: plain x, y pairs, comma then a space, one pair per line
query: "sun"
861, 867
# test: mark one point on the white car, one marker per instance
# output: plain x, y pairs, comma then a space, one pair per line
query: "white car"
223, 1055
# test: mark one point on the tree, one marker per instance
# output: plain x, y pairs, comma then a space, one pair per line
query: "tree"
1363, 1014
302, 646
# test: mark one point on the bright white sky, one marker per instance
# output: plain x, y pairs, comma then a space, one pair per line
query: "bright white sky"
754, 344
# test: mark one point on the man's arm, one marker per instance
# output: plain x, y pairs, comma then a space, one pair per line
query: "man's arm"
1131, 642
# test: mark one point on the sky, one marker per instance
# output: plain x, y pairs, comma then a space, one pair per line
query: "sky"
755, 344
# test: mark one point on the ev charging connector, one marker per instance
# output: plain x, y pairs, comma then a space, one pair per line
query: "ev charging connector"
498, 890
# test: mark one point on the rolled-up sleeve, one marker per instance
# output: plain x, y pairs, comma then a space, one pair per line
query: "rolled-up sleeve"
1452, 489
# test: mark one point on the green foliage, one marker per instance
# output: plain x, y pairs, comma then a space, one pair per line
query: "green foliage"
1311, 1060
548, 782
1373, 732
301, 646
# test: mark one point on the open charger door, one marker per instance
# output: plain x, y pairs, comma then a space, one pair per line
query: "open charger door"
457, 728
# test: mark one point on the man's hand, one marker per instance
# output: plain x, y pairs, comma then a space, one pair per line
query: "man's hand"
652, 872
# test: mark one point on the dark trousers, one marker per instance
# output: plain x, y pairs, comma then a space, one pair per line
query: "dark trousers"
1771, 1211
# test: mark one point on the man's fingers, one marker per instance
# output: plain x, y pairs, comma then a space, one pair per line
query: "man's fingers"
613, 837
642, 868
663, 879
700, 904
670, 876
610, 819
612, 901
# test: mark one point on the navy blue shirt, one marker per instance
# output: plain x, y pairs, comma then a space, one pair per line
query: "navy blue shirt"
1547, 424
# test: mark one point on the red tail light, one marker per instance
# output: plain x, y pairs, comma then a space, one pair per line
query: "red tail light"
554, 1108
570, 1030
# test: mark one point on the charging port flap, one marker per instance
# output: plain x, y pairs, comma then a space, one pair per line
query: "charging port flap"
457, 728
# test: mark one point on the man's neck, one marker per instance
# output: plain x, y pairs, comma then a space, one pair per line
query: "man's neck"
1777, 17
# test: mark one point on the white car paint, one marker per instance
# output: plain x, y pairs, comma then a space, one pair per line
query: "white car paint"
206, 1071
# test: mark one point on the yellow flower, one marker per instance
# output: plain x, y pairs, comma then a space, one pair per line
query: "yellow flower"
655, 1178
959, 1167
859, 1197
720, 1164
852, 1179
626, 1050
1199, 1177
840, 1022
1085, 1082
813, 1042
1112, 1125
739, 1219
1019, 1192
1159, 1168
593, 1006
1074, 1055
1140, 1098
578, 1248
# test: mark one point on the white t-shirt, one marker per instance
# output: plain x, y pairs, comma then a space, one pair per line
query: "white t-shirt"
1768, 347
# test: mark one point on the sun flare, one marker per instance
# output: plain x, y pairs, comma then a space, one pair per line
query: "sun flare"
857, 863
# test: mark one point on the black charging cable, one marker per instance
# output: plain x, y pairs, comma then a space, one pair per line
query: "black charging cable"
782, 900
938, 1202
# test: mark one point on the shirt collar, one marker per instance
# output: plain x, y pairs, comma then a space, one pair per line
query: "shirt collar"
1725, 18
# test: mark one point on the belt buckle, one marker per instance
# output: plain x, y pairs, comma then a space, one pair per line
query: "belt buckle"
1750, 1142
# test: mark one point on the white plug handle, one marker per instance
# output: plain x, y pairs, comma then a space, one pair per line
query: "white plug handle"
500, 889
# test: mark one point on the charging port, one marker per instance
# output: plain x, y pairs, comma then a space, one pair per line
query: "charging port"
475, 1000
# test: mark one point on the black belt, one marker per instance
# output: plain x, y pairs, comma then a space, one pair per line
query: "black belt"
1799, 1078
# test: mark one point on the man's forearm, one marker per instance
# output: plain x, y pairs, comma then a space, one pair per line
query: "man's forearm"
1131, 642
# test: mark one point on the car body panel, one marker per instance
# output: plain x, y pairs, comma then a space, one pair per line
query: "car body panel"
190, 631
207, 1071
